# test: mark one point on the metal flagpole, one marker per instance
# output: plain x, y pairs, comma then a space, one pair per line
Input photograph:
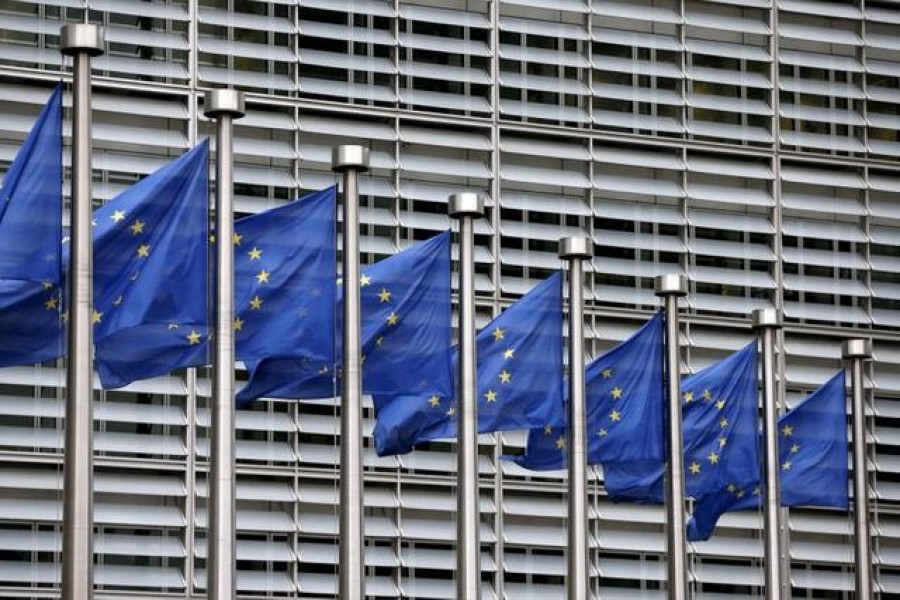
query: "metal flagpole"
766, 321
224, 106
575, 250
351, 161
856, 351
466, 207
671, 287
81, 42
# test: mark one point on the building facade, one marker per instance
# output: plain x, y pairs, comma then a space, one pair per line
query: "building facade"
749, 144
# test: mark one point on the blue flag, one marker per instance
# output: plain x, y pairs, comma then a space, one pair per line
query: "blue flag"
150, 272
519, 378
406, 330
813, 471
719, 416
624, 407
30, 235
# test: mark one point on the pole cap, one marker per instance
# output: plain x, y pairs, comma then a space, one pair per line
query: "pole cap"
576, 247
217, 103
670, 284
465, 204
350, 157
766, 317
81, 37
857, 348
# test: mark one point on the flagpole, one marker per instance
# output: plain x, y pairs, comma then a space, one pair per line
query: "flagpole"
670, 287
856, 351
465, 207
766, 322
224, 106
81, 42
575, 250
351, 161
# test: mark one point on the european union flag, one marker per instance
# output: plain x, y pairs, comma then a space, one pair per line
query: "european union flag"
812, 449
406, 329
30, 235
624, 404
150, 272
519, 376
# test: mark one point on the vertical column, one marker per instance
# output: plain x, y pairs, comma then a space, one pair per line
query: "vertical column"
574, 250
224, 106
671, 287
466, 207
855, 352
81, 42
351, 161
767, 322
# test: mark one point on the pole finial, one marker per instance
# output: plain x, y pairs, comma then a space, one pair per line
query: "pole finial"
350, 157
576, 247
223, 102
670, 284
465, 204
81, 37
857, 348
766, 317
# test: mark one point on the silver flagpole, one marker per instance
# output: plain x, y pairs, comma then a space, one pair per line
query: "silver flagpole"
466, 207
856, 351
81, 42
574, 250
766, 321
351, 161
671, 287
224, 106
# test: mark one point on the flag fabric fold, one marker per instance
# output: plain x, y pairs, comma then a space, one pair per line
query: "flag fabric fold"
624, 408
813, 469
519, 378
406, 330
30, 235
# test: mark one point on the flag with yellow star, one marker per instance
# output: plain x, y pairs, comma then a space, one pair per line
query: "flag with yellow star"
624, 407
30, 235
406, 329
813, 466
150, 272
519, 377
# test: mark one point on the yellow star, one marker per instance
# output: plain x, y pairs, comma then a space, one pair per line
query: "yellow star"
262, 276
48, 285
723, 441
364, 280
143, 250
720, 404
193, 337
137, 227
362, 359
451, 412
732, 488
498, 334
379, 340
173, 326
740, 494
615, 416
236, 238
490, 396
505, 376
616, 392
707, 395
787, 431
723, 423
509, 353
602, 432
756, 491
434, 401
118, 216
384, 295
795, 448
96, 317
694, 468
238, 324
787, 465
256, 303
255, 253
393, 319
51, 303
689, 396
560, 443
713, 458
547, 430
606, 373
118, 301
